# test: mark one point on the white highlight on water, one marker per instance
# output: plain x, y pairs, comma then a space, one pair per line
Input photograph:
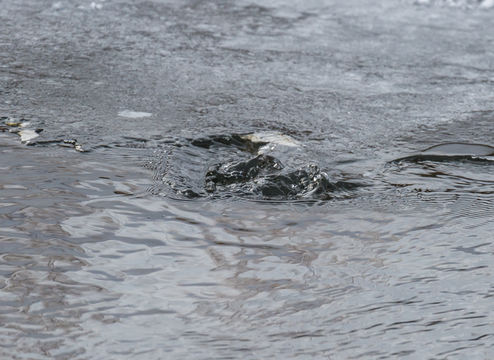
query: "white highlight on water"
95, 5
487, 4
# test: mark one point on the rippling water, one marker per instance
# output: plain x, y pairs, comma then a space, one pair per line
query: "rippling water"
222, 180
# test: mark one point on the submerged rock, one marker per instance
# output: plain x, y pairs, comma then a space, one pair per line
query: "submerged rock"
240, 172
238, 141
308, 183
263, 177
258, 166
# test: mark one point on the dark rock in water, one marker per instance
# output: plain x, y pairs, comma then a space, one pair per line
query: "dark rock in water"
190, 194
240, 172
309, 183
247, 166
263, 177
239, 141
451, 152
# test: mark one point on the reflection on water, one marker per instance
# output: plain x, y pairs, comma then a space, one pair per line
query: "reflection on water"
127, 226
93, 267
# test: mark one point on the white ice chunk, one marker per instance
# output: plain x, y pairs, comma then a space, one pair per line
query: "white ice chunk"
134, 114
27, 135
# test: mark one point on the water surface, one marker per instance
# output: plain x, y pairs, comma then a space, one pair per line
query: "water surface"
133, 220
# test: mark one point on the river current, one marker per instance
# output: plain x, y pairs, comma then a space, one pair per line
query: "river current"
246, 179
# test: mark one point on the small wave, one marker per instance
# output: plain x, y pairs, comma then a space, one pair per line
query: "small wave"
452, 152
451, 173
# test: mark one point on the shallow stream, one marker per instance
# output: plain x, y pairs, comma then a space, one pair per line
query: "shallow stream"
242, 180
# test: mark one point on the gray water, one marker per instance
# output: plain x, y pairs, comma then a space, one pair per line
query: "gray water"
121, 239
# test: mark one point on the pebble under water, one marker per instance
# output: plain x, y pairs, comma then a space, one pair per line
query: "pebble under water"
224, 180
